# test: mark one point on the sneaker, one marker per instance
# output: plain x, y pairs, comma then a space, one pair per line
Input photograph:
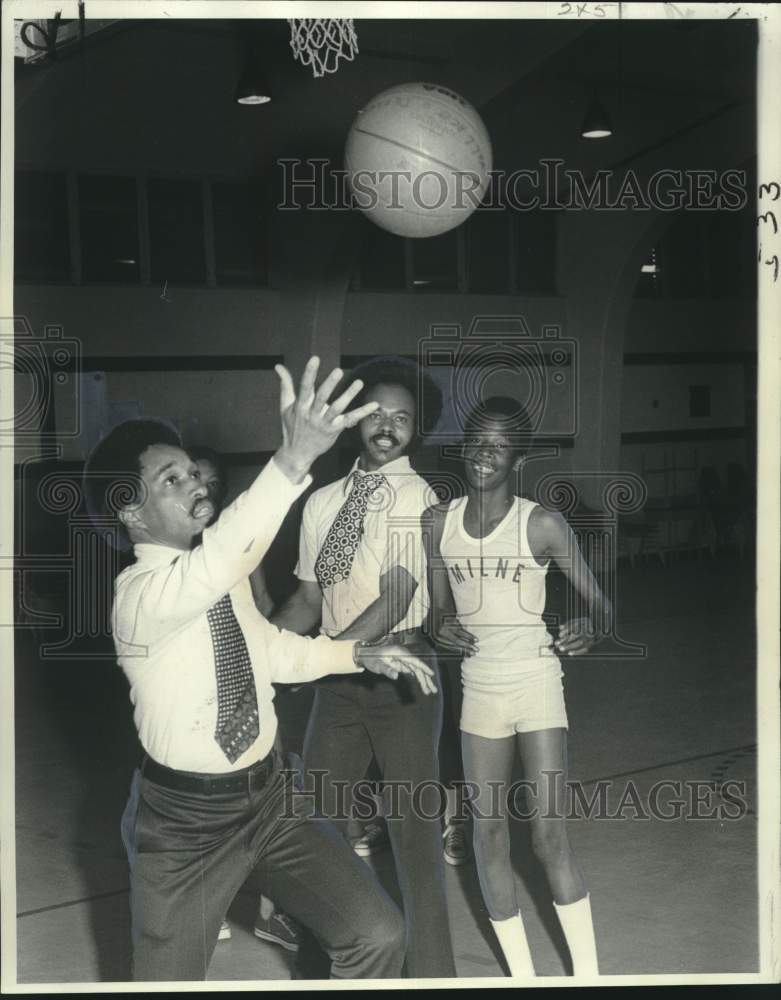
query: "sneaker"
456, 844
373, 840
225, 931
278, 929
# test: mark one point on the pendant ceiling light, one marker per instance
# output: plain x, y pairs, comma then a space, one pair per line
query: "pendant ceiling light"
596, 124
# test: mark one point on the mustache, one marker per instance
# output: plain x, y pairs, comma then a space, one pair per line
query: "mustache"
385, 434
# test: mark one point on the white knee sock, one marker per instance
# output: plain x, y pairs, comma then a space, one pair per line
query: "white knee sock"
578, 927
512, 937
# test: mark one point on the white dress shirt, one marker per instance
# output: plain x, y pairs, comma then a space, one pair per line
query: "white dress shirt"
163, 640
391, 537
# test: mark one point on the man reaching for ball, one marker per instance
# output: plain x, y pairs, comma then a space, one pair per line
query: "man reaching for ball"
209, 805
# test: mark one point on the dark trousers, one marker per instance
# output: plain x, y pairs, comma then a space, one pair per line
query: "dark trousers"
190, 853
451, 764
353, 719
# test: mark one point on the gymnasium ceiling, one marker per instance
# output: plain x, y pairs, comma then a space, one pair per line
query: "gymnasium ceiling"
158, 95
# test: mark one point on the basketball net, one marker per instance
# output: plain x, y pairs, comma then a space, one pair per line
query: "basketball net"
321, 42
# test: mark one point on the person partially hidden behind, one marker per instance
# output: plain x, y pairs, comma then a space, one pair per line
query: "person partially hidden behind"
270, 923
209, 804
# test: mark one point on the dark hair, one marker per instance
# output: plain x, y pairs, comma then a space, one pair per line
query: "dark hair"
410, 376
506, 411
202, 451
112, 471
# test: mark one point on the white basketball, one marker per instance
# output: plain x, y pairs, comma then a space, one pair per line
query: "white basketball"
418, 159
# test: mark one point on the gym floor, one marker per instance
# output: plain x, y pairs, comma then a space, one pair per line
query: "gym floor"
668, 896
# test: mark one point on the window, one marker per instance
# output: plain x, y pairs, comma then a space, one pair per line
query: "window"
435, 262
176, 230
41, 245
488, 251
699, 400
705, 255
108, 228
240, 233
381, 264
535, 252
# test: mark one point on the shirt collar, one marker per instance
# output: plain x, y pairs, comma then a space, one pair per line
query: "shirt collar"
399, 466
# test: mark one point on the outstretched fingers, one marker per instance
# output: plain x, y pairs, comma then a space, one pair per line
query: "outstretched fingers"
325, 390
306, 389
287, 392
354, 416
341, 403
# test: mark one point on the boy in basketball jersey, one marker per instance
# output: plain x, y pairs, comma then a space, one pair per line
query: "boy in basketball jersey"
489, 552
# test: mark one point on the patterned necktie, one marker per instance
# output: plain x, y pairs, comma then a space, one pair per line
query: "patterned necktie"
237, 701
335, 559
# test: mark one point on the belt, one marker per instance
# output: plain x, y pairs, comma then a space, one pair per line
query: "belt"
248, 779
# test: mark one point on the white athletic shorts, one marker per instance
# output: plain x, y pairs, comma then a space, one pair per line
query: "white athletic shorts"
501, 703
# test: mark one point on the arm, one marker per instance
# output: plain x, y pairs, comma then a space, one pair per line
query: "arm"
153, 603
402, 569
260, 594
294, 659
301, 612
397, 588
551, 537
445, 628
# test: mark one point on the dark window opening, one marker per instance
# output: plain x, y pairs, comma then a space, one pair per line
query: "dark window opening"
41, 243
381, 263
535, 252
435, 263
488, 252
699, 400
240, 233
108, 228
176, 231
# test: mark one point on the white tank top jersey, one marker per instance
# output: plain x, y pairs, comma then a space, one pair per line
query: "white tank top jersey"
499, 589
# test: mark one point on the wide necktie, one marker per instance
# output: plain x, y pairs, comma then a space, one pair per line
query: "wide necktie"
335, 559
237, 701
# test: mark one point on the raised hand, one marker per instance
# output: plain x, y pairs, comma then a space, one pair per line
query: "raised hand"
390, 660
576, 637
310, 424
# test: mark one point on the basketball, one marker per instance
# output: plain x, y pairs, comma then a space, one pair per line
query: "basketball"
418, 159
